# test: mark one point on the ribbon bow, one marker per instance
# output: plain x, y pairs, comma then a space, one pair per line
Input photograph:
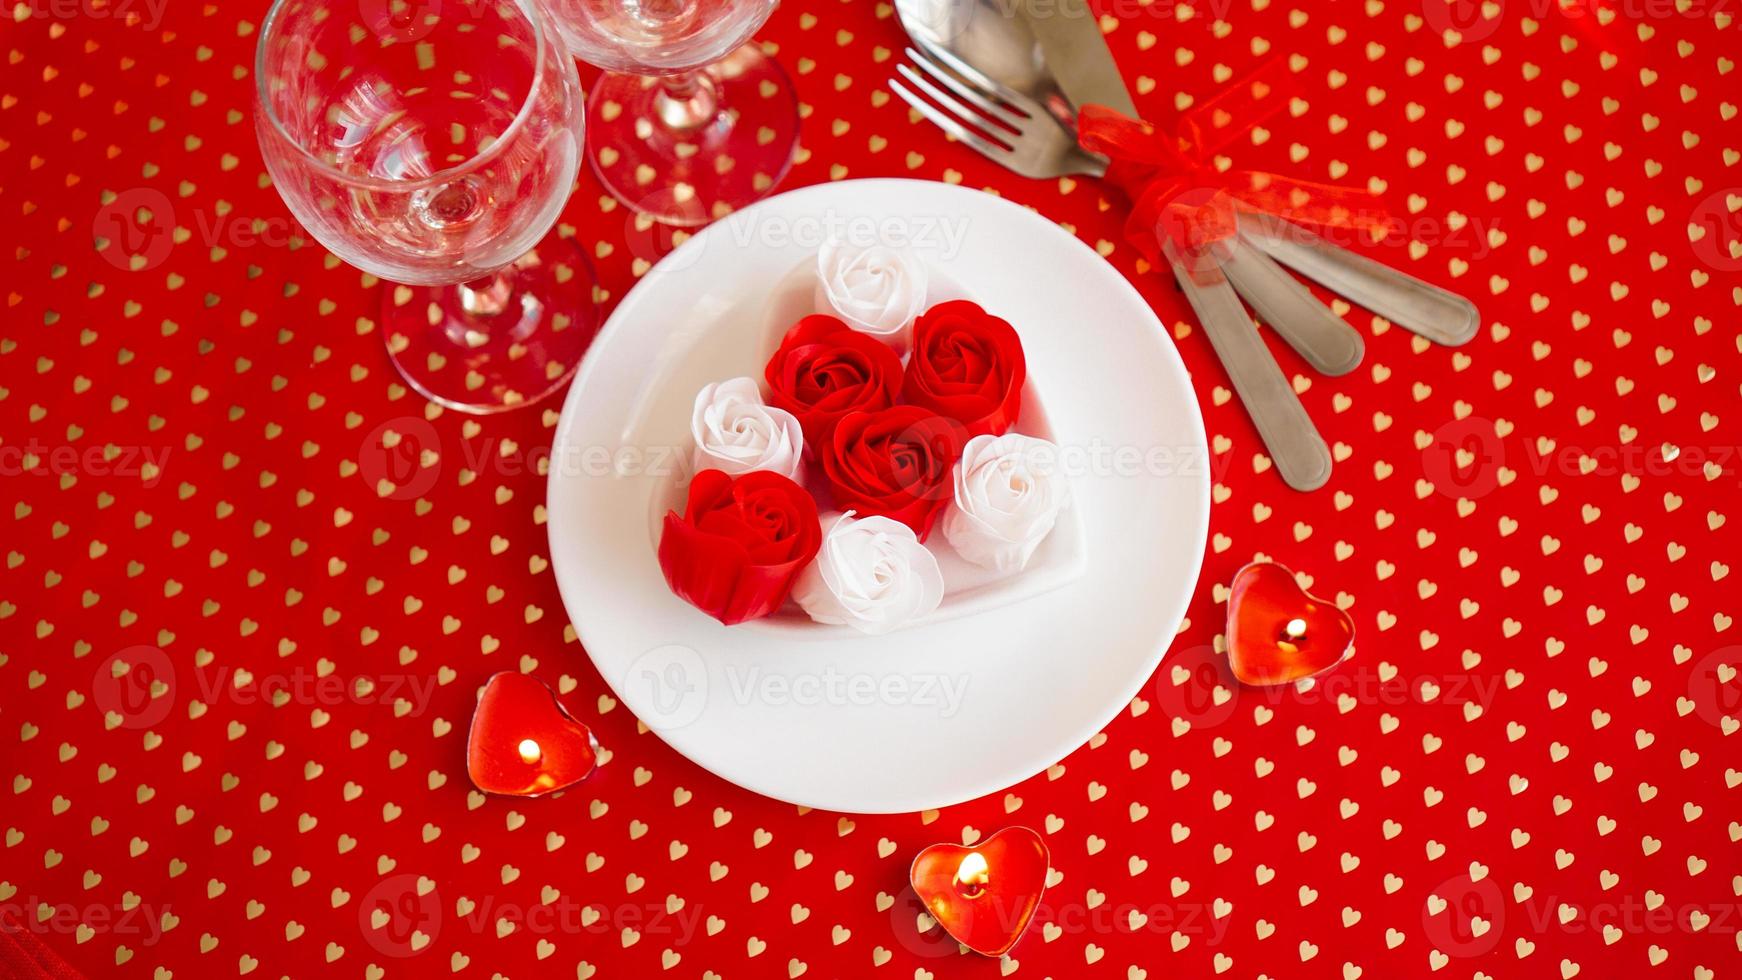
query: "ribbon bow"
1183, 204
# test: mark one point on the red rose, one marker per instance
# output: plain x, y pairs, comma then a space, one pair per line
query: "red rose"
895, 463
741, 542
825, 369
967, 365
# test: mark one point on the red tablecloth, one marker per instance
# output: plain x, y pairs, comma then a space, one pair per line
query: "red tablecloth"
1524, 772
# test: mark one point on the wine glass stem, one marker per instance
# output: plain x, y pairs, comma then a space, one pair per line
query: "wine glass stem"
687, 100
487, 296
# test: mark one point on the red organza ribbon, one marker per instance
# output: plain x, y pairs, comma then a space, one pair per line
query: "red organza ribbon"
1182, 203
24, 956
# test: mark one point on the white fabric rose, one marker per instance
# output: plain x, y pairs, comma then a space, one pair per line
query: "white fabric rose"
877, 290
871, 574
1009, 493
735, 433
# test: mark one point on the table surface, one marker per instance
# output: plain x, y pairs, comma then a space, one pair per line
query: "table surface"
1525, 771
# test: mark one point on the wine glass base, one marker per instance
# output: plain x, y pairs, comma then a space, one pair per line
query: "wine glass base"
489, 350
690, 176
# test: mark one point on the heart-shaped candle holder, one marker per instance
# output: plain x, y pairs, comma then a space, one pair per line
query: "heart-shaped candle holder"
523, 743
984, 896
1278, 633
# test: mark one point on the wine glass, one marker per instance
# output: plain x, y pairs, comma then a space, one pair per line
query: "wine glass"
689, 122
433, 143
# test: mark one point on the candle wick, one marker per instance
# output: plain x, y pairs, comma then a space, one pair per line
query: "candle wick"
973, 874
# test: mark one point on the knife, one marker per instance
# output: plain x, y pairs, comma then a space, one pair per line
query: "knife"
1070, 45
1073, 49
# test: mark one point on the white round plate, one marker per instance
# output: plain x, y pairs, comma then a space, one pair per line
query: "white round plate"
942, 712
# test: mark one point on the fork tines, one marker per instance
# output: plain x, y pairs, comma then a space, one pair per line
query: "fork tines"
975, 109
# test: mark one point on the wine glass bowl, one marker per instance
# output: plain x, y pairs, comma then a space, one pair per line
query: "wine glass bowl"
434, 144
655, 37
689, 122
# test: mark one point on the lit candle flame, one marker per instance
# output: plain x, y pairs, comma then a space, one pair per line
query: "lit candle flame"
1295, 629
973, 874
530, 752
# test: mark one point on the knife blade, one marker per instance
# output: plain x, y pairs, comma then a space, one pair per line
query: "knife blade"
1074, 50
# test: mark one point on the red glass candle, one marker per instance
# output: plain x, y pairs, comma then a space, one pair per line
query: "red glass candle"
1278, 633
523, 743
984, 896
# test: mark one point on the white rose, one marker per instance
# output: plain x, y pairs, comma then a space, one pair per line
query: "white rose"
871, 574
1009, 493
735, 433
876, 290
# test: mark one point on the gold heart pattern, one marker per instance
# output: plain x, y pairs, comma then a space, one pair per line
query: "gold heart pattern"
251, 583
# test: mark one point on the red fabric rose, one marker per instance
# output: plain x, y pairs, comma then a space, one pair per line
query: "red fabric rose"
967, 365
895, 463
740, 543
825, 369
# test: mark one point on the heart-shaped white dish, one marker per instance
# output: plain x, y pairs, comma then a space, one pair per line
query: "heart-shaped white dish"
968, 588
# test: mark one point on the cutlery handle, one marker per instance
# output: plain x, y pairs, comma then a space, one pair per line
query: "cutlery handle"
1300, 453
1328, 343
1439, 315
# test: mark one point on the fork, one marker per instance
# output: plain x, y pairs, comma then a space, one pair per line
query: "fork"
1038, 144
1440, 315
